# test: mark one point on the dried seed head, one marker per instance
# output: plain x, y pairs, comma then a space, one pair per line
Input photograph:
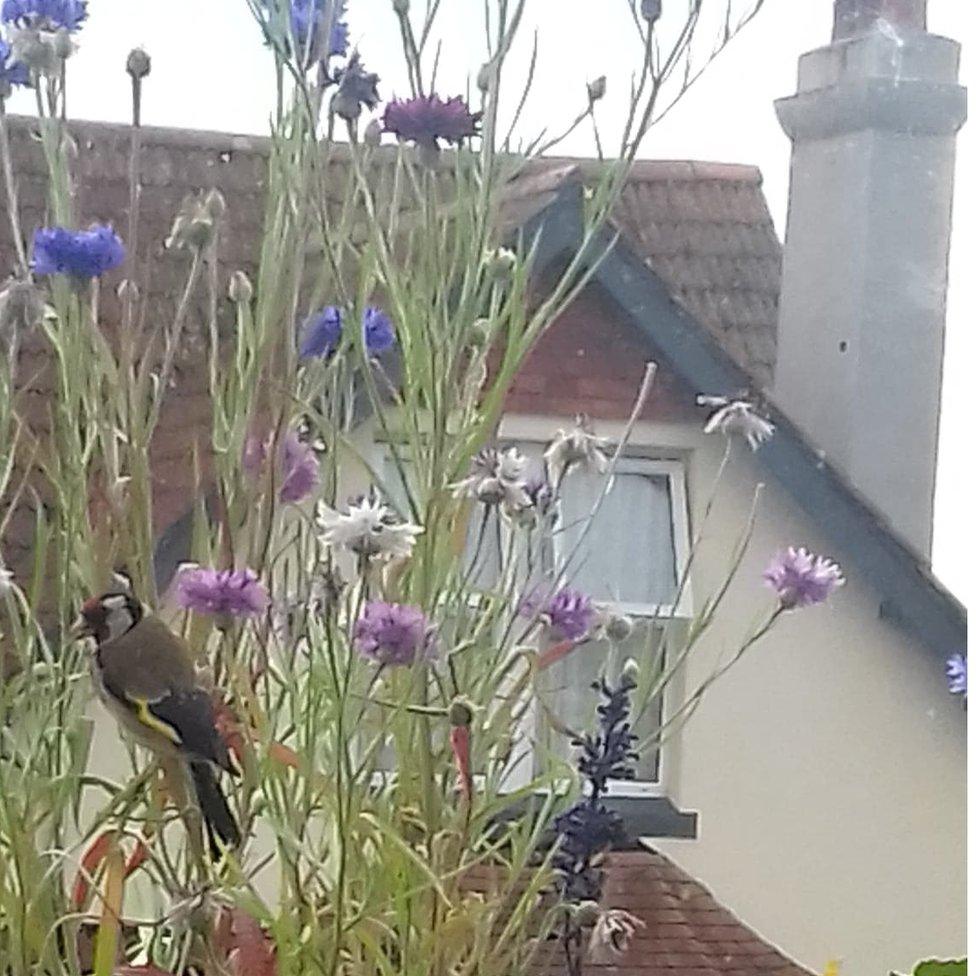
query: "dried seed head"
215, 204
138, 63
63, 45
500, 263
618, 627
240, 290
596, 89
128, 290
21, 307
373, 133
485, 75
630, 672
194, 224
460, 713
34, 49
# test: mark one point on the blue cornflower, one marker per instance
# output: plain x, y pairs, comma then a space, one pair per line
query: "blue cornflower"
11, 73
79, 253
378, 334
321, 333
45, 14
309, 18
957, 674
323, 330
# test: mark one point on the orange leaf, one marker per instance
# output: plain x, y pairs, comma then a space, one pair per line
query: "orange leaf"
107, 940
283, 754
461, 748
253, 953
138, 856
553, 654
91, 861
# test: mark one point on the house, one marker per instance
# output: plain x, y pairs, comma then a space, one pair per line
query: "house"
819, 792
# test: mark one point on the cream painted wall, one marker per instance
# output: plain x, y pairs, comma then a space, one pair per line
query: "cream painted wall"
828, 768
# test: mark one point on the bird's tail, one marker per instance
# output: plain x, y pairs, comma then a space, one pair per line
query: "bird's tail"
219, 821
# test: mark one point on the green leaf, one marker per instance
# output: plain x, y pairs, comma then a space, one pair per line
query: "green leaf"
940, 967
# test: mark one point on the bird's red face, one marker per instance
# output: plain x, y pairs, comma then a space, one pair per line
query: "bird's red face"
106, 617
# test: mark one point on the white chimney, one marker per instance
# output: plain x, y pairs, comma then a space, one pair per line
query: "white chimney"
862, 311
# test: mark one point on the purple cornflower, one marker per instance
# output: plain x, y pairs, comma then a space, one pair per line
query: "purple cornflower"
957, 674
801, 579
299, 464
393, 634
427, 118
321, 333
568, 613
378, 335
300, 467
221, 592
309, 18
79, 253
45, 14
11, 73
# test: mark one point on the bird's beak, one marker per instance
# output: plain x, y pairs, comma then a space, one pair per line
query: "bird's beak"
79, 629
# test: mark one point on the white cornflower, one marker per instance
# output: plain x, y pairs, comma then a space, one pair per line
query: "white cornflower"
580, 445
368, 528
497, 478
735, 415
612, 933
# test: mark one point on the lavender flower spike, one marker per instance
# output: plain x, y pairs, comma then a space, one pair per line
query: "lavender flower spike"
393, 634
801, 579
221, 592
957, 674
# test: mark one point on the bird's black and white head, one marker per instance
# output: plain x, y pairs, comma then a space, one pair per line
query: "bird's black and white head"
107, 617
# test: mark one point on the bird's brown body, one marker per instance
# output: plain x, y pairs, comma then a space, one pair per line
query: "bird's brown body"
146, 677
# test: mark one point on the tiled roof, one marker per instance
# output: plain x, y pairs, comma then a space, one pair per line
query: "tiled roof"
687, 932
703, 228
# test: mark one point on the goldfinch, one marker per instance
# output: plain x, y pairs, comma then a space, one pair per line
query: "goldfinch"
144, 673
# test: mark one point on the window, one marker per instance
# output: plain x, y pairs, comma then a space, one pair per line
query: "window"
631, 558
634, 551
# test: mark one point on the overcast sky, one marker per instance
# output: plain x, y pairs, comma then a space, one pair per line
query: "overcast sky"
210, 71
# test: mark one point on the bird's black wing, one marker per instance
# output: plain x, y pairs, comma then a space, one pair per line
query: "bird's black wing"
190, 715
